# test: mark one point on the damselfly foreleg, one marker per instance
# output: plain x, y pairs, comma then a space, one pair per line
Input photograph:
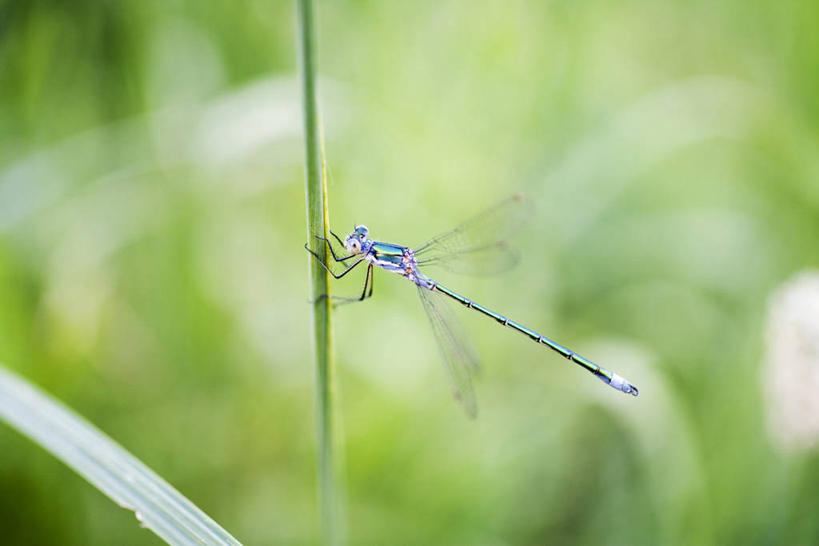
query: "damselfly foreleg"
327, 267
332, 250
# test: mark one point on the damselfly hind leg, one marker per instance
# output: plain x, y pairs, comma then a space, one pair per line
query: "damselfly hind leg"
365, 293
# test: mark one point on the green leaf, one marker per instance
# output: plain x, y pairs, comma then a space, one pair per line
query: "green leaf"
105, 464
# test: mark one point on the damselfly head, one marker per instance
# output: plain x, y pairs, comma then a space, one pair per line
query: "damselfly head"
355, 240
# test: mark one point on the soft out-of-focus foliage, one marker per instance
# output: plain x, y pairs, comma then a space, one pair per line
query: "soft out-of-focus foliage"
791, 377
152, 275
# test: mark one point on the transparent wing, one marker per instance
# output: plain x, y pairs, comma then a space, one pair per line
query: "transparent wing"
480, 245
459, 356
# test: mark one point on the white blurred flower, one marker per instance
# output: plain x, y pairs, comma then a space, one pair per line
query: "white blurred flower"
790, 377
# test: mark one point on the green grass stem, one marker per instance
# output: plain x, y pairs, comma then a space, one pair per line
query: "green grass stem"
317, 222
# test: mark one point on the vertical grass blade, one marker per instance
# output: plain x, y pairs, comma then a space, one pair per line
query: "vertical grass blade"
317, 222
105, 464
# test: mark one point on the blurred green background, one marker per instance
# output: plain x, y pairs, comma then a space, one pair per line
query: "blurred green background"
152, 274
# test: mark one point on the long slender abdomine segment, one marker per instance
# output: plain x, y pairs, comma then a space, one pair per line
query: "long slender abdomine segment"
606, 376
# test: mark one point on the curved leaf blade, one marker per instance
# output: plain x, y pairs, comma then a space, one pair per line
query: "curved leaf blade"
94, 456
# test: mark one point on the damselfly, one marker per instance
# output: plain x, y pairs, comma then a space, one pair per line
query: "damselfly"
477, 245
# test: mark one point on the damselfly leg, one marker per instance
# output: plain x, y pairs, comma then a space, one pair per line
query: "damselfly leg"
368, 277
332, 250
337, 259
368, 282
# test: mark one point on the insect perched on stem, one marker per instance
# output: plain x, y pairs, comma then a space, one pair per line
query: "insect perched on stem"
475, 246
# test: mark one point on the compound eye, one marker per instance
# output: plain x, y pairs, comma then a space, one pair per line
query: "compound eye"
362, 232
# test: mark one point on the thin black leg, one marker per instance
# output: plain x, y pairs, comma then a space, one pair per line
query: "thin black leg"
337, 238
330, 271
332, 250
367, 279
368, 282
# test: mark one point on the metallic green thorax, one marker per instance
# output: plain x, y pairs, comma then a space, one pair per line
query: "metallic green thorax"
386, 252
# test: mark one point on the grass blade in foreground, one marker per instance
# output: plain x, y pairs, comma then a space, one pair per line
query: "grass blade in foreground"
317, 222
105, 464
